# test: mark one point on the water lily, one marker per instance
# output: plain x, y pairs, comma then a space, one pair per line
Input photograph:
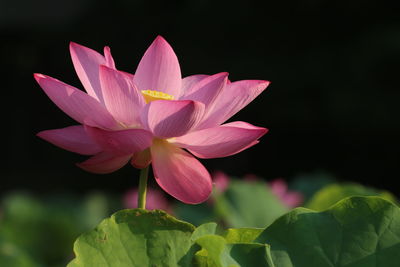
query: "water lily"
153, 116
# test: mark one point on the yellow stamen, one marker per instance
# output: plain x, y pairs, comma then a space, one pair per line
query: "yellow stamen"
151, 95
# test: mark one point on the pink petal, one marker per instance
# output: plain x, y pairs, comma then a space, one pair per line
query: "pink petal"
179, 173
206, 90
121, 142
189, 81
86, 62
73, 138
170, 118
292, 199
109, 59
76, 104
121, 97
104, 163
159, 69
221, 141
130, 75
233, 98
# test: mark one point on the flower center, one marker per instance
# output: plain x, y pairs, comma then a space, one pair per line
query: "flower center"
151, 95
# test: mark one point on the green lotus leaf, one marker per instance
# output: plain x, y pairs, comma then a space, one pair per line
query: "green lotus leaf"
217, 252
135, 238
356, 232
204, 229
242, 235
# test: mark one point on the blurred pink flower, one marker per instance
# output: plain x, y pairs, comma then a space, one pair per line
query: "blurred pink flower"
155, 199
278, 187
151, 117
290, 198
221, 181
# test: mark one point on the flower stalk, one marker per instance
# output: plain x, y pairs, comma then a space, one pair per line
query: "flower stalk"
144, 173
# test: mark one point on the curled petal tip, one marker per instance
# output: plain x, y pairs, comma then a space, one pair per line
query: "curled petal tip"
43, 134
73, 45
225, 73
161, 42
107, 51
265, 131
160, 38
39, 76
260, 83
109, 59
40, 134
222, 74
265, 83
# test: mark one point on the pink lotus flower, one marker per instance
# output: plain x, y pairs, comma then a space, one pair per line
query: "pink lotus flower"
151, 117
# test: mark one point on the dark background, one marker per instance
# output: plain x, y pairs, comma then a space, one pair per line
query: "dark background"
332, 104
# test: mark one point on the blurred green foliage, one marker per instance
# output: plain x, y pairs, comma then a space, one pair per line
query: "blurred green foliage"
40, 231
309, 183
249, 204
235, 207
331, 194
12, 256
45, 228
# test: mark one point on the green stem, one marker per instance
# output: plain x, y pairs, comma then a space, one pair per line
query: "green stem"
143, 188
